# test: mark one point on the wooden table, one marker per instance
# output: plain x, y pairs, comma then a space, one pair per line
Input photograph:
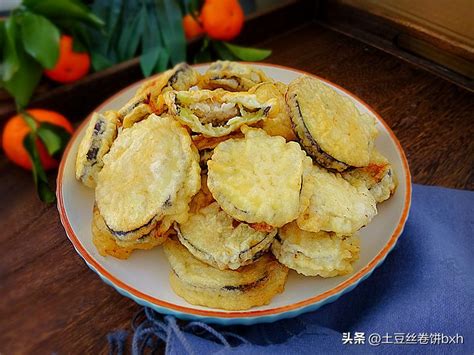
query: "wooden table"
51, 301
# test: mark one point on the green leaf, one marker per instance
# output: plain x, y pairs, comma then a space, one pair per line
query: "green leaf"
40, 39
29, 120
24, 80
115, 7
78, 31
11, 62
170, 18
41, 181
151, 31
71, 9
54, 137
131, 34
246, 53
2, 42
222, 51
149, 60
100, 62
163, 60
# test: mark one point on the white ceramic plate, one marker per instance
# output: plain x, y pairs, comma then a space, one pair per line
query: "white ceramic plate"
144, 276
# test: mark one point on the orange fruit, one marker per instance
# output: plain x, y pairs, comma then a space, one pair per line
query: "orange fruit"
71, 66
16, 130
222, 19
192, 28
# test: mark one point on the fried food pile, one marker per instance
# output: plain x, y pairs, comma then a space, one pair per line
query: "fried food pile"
240, 177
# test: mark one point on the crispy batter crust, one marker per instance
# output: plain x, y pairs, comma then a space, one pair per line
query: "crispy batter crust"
151, 169
216, 113
100, 134
203, 198
204, 143
107, 244
278, 122
379, 177
312, 254
149, 97
336, 205
212, 236
231, 76
259, 178
329, 126
198, 283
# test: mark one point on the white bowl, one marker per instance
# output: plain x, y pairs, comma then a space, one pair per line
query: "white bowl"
144, 276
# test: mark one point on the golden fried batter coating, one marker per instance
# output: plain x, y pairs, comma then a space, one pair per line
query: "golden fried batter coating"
258, 178
231, 76
278, 122
198, 283
336, 205
107, 244
100, 134
312, 254
378, 177
212, 236
150, 175
329, 126
149, 97
203, 198
216, 113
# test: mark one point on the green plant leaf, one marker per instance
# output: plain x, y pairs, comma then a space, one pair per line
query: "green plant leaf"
151, 31
170, 18
40, 39
29, 120
100, 62
131, 35
24, 80
246, 53
11, 62
222, 51
113, 15
41, 181
71, 9
54, 137
151, 44
2, 44
149, 60
78, 31
162, 62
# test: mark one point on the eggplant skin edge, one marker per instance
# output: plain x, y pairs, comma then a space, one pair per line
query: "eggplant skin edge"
308, 142
243, 257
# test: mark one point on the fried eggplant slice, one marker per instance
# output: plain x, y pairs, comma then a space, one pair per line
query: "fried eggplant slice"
149, 177
315, 254
277, 122
201, 284
215, 238
335, 205
258, 179
329, 126
100, 134
216, 113
232, 76
107, 244
378, 177
149, 99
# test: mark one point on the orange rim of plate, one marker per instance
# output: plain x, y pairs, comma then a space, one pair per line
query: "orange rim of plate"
353, 280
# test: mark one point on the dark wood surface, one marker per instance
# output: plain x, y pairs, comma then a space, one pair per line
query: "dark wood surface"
51, 302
